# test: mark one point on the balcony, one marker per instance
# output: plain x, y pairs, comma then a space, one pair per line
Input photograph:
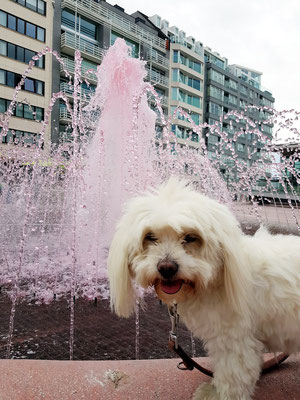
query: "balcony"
158, 79
158, 59
85, 94
70, 42
86, 73
97, 12
64, 115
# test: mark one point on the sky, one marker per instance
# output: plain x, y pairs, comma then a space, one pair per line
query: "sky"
260, 34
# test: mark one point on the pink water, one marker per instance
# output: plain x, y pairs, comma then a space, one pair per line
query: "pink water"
56, 223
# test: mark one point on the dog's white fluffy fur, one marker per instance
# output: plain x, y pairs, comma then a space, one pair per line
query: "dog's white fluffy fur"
240, 294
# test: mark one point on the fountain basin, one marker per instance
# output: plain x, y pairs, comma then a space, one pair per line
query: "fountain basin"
122, 380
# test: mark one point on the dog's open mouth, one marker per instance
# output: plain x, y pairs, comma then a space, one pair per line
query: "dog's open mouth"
171, 286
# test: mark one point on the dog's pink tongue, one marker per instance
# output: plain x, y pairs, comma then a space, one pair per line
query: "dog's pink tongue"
171, 287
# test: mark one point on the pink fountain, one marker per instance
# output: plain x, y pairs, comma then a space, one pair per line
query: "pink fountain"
57, 217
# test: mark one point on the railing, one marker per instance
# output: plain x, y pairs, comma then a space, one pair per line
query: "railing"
70, 67
158, 59
85, 94
75, 42
103, 15
158, 78
64, 114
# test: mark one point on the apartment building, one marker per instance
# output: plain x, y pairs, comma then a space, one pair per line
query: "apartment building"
230, 89
92, 26
26, 28
186, 80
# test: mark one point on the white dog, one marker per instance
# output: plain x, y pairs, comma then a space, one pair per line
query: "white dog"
239, 294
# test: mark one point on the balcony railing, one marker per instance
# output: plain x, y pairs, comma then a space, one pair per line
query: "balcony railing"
103, 15
75, 42
157, 58
64, 114
85, 94
70, 67
158, 78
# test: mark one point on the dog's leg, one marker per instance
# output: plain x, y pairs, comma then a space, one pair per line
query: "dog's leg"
237, 364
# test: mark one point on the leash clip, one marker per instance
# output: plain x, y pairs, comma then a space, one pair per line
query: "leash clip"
174, 317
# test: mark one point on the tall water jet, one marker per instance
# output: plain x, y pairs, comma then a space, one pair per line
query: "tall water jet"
119, 158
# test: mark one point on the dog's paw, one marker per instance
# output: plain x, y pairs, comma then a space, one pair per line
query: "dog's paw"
206, 391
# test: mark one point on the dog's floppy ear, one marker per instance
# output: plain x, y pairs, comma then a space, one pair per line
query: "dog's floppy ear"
122, 295
237, 277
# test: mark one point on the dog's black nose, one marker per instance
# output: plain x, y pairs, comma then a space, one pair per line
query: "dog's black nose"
167, 268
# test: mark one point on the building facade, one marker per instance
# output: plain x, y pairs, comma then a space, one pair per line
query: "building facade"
186, 81
183, 72
26, 28
92, 27
235, 105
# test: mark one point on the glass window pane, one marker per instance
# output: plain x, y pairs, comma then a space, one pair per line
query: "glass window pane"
2, 105
30, 30
10, 136
22, 2
40, 62
3, 18
2, 76
11, 50
31, 4
21, 26
41, 7
40, 34
29, 85
3, 48
12, 22
27, 112
39, 113
89, 29
28, 55
20, 53
10, 79
39, 87
18, 137
19, 110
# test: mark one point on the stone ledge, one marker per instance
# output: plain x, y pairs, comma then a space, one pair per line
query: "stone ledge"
126, 380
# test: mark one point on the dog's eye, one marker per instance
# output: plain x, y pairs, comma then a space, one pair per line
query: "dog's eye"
150, 237
189, 239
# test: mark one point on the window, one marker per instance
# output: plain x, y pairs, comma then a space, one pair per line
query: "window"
175, 56
38, 6
216, 76
28, 55
3, 48
2, 77
39, 87
26, 139
29, 85
30, 30
40, 34
12, 22
21, 26
3, 18
214, 108
19, 110
19, 53
41, 7
11, 79
2, 105
11, 50
23, 110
